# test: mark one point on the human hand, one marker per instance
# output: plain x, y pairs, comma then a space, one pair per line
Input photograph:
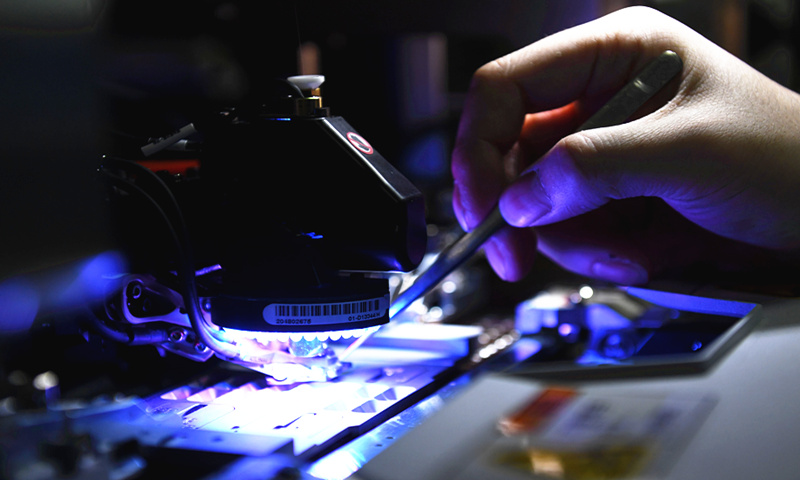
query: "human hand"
707, 173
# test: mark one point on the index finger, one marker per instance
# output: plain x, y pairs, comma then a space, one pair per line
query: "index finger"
582, 65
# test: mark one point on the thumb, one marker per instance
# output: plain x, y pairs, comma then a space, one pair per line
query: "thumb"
586, 170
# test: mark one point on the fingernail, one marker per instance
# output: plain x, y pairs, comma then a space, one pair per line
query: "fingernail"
526, 201
466, 218
458, 208
494, 254
620, 271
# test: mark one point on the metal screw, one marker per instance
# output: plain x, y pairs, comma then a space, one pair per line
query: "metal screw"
135, 290
177, 335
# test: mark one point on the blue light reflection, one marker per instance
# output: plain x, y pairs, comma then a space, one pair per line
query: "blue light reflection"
60, 289
19, 304
525, 348
339, 465
86, 282
428, 157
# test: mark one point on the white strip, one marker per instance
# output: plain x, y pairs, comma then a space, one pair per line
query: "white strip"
326, 313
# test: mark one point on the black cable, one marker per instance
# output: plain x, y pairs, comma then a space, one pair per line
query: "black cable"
132, 336
180, 234
124, 184
147, 174
107, 331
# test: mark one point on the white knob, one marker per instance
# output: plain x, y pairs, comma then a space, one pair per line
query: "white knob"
307, 82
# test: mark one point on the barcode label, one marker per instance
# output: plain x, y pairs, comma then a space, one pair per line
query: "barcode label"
326, 313
326, 309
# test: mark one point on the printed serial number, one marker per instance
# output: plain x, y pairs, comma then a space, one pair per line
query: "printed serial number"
366, 316
293, 321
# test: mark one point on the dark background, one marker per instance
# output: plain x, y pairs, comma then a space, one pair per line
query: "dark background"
78, 76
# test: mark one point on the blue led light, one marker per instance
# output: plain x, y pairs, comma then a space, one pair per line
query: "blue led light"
312, 235
264, 338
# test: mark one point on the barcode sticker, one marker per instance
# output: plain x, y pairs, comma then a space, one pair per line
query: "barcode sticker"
326, 313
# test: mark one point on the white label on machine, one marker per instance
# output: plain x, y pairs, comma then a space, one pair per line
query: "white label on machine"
304, 314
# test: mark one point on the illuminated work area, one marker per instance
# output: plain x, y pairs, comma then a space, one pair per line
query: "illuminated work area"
374, 241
